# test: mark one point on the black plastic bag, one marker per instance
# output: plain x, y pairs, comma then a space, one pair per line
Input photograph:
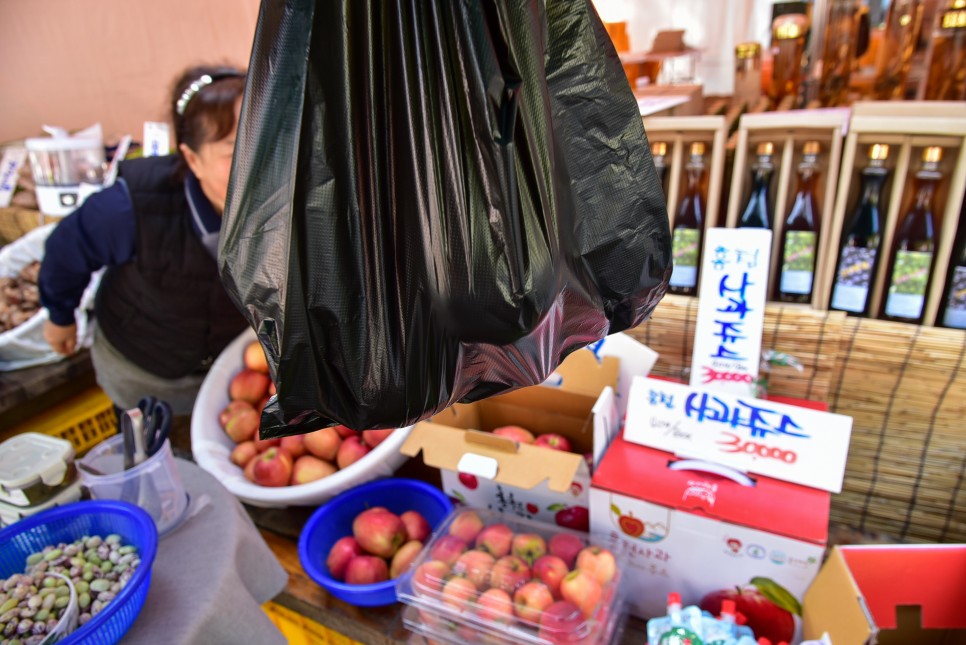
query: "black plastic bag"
435, 202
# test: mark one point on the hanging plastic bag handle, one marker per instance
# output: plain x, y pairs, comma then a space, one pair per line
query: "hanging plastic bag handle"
713, 468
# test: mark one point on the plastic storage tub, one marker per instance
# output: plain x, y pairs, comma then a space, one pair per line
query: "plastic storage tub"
34, 468
334, 521
488, 577
67, 523
10, 514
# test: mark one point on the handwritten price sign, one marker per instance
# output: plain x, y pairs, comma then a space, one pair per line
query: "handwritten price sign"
752, 435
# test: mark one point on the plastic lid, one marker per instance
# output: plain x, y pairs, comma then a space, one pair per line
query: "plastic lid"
31, 457
673, 598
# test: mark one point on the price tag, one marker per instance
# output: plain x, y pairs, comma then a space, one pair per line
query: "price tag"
13, 159
731, 310
797, 445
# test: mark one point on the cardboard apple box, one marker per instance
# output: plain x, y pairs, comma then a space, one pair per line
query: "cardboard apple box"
889, 594
695, 532
488, 471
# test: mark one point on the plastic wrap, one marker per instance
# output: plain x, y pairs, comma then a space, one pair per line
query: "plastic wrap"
435, 202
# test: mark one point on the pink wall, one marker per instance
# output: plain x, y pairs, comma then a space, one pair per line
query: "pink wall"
75, 62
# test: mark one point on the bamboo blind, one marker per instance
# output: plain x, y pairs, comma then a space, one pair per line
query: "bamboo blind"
903, 385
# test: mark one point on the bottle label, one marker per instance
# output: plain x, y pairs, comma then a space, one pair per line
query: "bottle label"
956, 307
907, 289
854, 279
798, 265
684, 247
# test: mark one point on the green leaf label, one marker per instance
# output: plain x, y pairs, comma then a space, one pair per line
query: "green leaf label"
556, 507
615, 510
777, 594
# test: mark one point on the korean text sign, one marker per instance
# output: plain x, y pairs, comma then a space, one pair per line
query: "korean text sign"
731, 310
797, 445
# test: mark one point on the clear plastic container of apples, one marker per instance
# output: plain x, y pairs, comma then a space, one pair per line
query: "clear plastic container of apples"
491, 578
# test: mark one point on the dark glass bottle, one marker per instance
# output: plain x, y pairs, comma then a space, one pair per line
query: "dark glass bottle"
862, 240
689, 227
800, 234
946, 76
914, 247
756, 213
954, 304
659, 154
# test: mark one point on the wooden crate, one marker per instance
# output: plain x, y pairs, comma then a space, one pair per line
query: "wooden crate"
907, 127
789, 131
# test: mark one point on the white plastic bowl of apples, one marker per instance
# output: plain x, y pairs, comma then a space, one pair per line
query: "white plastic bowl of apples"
300, 471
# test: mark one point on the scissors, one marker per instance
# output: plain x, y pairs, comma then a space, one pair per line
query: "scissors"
156, 428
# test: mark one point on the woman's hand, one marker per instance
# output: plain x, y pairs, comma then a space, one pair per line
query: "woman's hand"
62, 340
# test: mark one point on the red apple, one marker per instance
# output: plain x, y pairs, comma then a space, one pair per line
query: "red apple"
466, 526
583, 590
566, 546
340, 554
293, 445
373, 438
366, 570
448, 549
475, 566
765, 618
529, 547
404, 558
243, 453
249, 470
323, 443
255, 358
597, 562
308, 468
550, 570
273, 468
345, 432
530, 600
560, 623
417, 528
231, 409
509, 573
248, 385
495, 539
379, 532
516, 433
430, 576
458, 593
265, 444
242, 425
554, 441
573, 517
495, 606
351, 451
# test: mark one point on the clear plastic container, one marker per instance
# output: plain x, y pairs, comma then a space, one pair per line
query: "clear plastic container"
10, 514
154, 484
490, 578
34, 468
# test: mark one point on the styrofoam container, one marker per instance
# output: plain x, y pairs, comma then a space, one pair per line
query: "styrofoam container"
211, 446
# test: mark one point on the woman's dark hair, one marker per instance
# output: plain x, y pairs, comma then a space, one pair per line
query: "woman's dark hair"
208, 113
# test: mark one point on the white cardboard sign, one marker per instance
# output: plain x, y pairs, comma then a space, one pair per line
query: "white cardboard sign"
13, 159
731, 309
790, 443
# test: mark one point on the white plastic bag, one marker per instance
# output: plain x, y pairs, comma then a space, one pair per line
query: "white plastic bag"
24, 345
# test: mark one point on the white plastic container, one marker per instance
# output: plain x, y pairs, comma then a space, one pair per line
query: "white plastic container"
211, 447
66, 171
34, 468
